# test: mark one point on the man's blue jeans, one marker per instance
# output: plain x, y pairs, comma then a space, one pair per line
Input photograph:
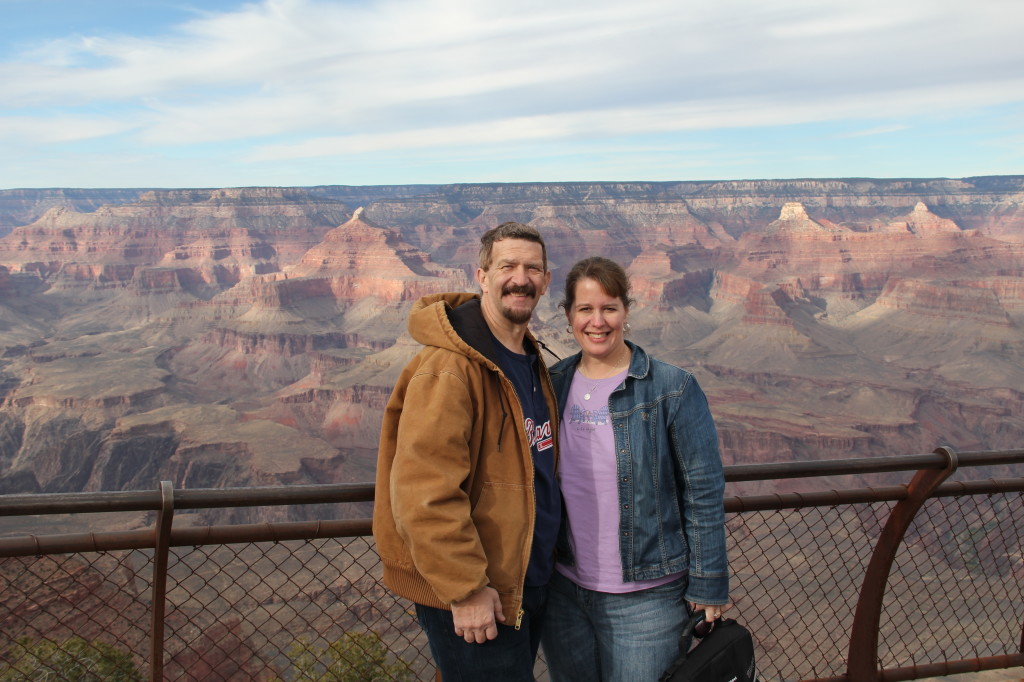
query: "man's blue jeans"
603, 637
507, 658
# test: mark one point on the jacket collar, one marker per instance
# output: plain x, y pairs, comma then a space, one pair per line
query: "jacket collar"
640, 362
468, 322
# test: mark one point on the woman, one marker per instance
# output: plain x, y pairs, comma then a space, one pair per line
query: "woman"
643, 541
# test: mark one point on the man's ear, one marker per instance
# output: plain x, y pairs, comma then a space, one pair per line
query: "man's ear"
481, 278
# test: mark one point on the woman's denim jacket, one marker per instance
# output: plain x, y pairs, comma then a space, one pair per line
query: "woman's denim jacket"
671, 483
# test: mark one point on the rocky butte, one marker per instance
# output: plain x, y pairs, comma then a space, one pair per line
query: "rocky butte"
235, 337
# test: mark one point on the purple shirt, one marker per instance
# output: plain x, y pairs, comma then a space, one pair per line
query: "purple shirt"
589, 483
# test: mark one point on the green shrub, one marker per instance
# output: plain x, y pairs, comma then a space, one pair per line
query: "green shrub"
354, 657
73, 660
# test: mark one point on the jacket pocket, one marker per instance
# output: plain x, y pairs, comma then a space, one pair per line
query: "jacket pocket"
502, 519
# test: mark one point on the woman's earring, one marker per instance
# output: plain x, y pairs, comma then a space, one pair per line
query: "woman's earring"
568, 329
626, 327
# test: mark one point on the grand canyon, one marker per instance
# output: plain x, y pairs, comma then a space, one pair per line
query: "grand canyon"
238, 337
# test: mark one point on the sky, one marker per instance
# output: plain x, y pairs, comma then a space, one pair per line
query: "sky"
217, 93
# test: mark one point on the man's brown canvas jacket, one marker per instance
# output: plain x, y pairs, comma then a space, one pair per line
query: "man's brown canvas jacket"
454, 508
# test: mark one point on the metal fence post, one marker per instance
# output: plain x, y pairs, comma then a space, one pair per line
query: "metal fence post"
162, 543
862, 661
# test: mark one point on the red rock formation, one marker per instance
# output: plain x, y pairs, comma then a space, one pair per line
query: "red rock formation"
6, 283
731, 288
94, 600
655, 282
216, 337
219, 651
1009, 290
242, 232
923, 222
767, 307
364, 261
794, 222
979, 305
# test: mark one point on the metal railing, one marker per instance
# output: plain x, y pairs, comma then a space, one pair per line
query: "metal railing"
889, 582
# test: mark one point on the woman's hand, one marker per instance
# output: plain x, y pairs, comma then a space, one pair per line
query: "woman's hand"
710, 612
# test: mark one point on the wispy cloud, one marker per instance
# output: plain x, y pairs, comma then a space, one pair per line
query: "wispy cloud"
766, 110
59, 128
294, 79
879, 130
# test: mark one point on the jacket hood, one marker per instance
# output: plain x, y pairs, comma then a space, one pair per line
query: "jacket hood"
429, 323
453, 322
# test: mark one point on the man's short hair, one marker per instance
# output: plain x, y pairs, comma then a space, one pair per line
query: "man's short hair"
509, 230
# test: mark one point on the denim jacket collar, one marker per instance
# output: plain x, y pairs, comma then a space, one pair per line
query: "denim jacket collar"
639, 368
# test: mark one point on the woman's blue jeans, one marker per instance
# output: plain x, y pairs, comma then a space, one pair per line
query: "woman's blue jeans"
507, 658
603, 637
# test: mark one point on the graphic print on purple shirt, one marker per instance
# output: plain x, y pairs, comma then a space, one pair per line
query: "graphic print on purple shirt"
584, 415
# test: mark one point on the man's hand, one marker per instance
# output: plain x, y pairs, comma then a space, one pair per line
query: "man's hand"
476, 617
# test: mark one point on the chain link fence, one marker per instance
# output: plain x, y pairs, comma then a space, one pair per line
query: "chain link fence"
315, 609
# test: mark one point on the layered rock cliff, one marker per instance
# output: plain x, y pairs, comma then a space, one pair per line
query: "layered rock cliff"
252, 336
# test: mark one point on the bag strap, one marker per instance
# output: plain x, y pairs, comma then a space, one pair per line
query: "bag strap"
686, 639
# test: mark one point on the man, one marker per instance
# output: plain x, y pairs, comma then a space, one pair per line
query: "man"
467, 508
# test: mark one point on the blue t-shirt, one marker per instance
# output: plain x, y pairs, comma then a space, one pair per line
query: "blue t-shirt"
522, 372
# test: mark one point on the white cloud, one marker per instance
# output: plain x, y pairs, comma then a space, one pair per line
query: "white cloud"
673, 117
879, 130
305, 78
23, 130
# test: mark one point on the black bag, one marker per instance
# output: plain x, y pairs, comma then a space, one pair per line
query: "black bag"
726, 654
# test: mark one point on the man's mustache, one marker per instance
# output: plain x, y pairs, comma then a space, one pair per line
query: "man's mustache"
519, 290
